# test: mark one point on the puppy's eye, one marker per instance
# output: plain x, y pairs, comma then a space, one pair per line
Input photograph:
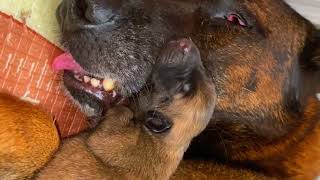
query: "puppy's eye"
236, 19
156, 122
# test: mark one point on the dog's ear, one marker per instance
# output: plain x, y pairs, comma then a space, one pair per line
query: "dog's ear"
315, 56
315, 47
310, 63
315, 59
310, 56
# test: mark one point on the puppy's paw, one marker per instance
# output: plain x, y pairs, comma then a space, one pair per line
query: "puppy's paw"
118, 116
94, 121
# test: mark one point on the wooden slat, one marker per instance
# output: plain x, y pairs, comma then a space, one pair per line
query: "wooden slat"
25, 72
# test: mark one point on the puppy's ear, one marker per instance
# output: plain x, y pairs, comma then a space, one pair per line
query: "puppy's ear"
178, 80
179, 69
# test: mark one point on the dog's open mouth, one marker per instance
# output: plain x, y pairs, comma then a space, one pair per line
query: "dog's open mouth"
77, 78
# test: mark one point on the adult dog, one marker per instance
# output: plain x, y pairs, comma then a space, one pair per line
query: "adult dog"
262, 56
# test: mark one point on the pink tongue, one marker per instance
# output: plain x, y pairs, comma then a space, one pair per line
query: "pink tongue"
66, 62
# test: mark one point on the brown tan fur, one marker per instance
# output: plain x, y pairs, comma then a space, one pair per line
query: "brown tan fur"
203, 170
264, 128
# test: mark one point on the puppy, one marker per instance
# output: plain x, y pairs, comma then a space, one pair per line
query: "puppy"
148, 143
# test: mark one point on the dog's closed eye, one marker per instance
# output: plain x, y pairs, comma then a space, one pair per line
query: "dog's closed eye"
236, 19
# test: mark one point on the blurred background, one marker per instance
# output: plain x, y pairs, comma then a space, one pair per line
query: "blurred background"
308, 8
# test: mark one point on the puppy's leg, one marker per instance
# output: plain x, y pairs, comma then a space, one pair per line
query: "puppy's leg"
73, 161
114, 135
116, 117
80, 157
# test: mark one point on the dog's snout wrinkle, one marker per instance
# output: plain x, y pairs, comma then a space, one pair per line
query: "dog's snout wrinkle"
85, 14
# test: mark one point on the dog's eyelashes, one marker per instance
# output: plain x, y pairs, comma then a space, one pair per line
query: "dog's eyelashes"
236, 19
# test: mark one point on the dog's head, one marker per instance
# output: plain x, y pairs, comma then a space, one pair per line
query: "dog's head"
261, 55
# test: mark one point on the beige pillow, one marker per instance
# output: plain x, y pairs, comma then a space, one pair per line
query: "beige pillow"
39, 15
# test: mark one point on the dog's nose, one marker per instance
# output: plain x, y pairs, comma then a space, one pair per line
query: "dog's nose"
100, 11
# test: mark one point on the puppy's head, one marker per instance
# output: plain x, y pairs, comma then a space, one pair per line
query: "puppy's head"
176, 105
180, 100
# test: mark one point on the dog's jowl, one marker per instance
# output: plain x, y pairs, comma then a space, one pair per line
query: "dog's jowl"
262, 56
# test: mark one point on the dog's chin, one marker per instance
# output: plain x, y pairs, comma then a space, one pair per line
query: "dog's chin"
93, 101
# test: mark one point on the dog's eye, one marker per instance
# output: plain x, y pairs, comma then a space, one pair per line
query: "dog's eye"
156, 122
236, 19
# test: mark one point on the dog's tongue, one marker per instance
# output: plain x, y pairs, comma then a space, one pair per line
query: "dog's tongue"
66, 62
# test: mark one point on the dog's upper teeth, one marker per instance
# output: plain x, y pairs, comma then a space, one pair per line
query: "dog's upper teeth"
108, 84
95, 82
86, 79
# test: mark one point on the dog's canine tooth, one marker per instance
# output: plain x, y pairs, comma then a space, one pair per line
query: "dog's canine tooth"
108, 84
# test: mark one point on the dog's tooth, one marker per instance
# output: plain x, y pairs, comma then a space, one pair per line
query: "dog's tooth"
86, 79
95, 82
108, 84
78, 77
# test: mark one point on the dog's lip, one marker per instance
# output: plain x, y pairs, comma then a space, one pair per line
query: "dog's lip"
66, 63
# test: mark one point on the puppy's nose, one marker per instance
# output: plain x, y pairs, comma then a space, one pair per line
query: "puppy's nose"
100, 11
